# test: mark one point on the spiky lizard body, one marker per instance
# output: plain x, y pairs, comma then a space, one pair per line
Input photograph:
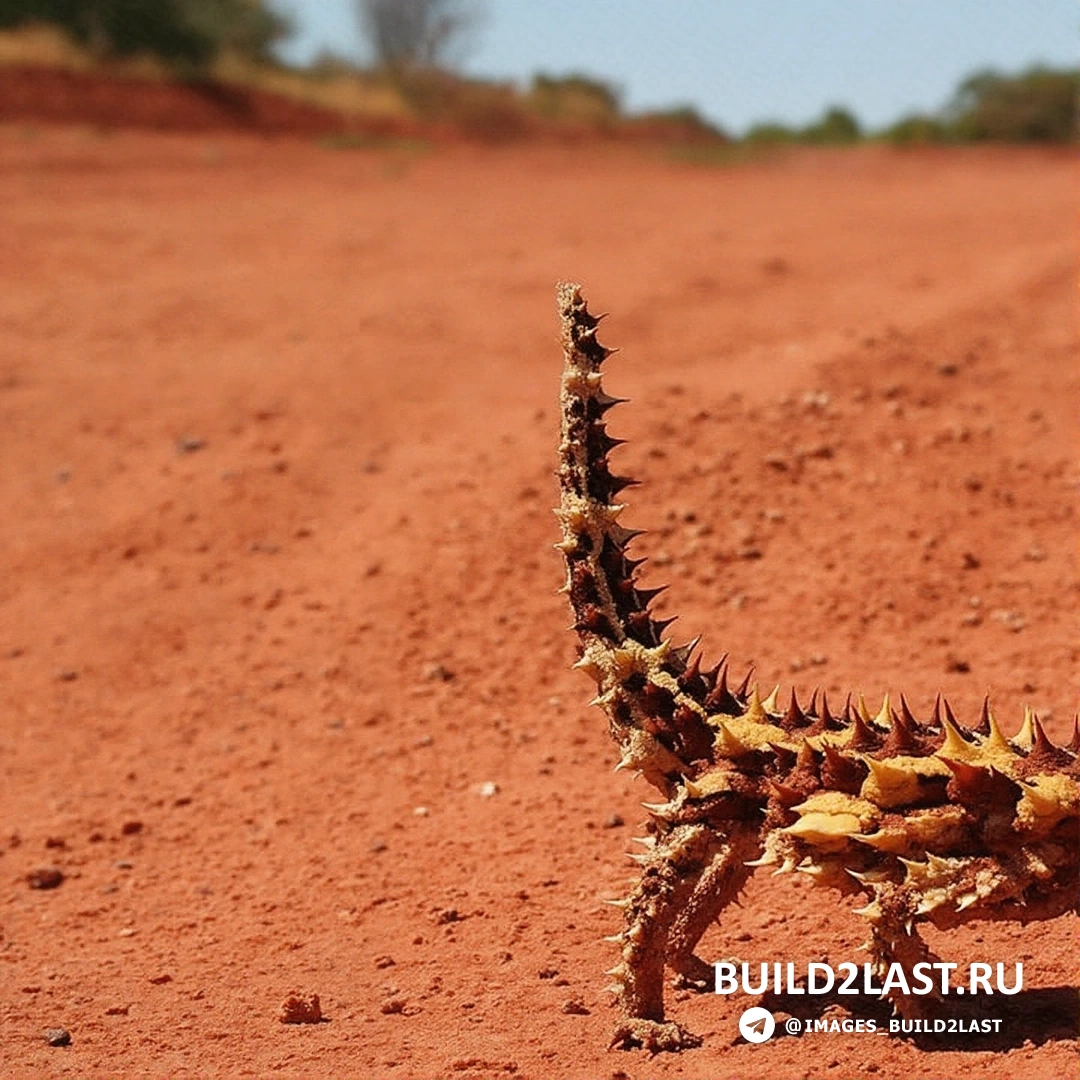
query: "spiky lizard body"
927, 821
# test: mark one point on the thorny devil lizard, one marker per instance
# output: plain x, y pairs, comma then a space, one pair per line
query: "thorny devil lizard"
927, 821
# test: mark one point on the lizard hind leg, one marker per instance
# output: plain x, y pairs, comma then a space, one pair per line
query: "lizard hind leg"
894, 940
719, 884
672, 874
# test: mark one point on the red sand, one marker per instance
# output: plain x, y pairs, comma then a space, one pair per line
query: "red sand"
277, 431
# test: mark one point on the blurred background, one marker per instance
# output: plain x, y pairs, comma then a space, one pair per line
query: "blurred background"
778, 71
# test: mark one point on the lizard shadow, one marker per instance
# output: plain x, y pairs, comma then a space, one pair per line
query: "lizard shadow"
1036, 1016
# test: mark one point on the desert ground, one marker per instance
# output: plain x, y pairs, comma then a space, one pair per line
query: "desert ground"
285, 685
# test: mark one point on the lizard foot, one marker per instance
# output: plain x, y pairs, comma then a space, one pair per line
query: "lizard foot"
655, 1036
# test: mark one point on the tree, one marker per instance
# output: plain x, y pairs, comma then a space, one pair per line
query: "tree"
836, 126
411, 35
185, 33
1038, 105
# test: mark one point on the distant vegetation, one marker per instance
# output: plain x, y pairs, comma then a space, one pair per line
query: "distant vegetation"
414, 46
185, 34
1037, 105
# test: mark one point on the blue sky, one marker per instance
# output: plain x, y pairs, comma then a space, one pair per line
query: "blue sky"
740, 61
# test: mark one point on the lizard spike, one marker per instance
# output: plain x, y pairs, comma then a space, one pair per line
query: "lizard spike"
841, 773
754, 711
785, 757
906, 715
786, 868
864, 712
620, 536
1024, 739
847, 713
720, 699
663, 811
786, 795
806, 759
621, 483
588, 665
744, 686
885, 713
644, 841
937, 863
949, 715
794, 717
996, 738
728, 745
692, 673
935, 714
604, 401
662, 624
710, 677
955, 745
914, 870
863, 736
623, 904
966, 901
639, 857
981, 785
614, 988
812, 708
682, 653
1074, 742
770, 703
870, 911
1042, 748
1045, 804
827, 719
768, 859
618, 971
647, 596
615, 939
983, 726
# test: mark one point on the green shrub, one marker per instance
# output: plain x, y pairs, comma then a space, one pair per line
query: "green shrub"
574, 97
837, 127
915, 129
771, 131
1038, 105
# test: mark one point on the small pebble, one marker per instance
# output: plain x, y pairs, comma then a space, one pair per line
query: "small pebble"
301, 1009
46, 877
487, 789
58, 1036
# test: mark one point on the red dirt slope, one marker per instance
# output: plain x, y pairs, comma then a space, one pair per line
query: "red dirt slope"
49, 95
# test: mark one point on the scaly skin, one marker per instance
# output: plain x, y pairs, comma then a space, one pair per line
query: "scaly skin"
928, 822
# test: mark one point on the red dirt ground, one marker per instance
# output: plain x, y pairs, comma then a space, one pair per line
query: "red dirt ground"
278, 429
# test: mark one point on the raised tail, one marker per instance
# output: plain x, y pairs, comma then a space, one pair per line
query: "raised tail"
655, 696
